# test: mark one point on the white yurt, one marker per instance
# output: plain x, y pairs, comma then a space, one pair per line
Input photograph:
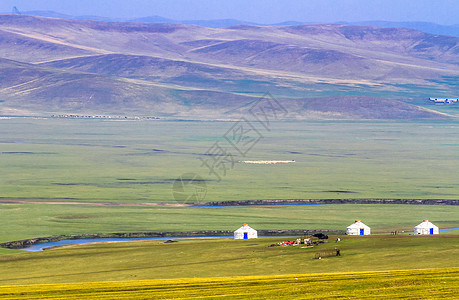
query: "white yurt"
426, 228
245, 232
358, 228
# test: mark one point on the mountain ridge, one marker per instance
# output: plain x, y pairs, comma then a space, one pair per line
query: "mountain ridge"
428, 27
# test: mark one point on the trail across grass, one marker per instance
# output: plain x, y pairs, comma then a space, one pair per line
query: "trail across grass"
412, 284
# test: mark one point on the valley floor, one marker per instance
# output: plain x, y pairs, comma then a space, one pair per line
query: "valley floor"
129, 168
133, 162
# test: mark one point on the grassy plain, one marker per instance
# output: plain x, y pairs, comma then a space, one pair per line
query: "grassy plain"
138, 161
413, 284
131, 162
222, 258
21, 221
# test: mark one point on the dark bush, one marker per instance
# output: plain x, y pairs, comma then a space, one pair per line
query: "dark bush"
321, 236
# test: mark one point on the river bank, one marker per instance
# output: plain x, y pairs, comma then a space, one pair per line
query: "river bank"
204, 233
264, 202
328, 201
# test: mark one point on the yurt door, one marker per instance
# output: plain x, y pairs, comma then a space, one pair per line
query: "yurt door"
362, 231
431, 230
246, 235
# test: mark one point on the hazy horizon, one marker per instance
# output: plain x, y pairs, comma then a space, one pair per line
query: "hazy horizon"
442, 12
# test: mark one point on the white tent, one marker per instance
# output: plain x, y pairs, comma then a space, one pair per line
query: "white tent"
358, 228
245, 232
426, 228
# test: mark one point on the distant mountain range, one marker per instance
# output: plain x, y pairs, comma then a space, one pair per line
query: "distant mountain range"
334, 71
222, 23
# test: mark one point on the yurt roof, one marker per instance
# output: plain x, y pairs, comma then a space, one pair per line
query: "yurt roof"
245, 227
358, 224
425, 224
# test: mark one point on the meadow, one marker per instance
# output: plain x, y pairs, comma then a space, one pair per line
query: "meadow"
53, 160
203, 258
21, 221
413, 284
71, 176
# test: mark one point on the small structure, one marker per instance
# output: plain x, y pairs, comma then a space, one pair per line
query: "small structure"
426, 228
358, 228
444, 100
245, 232
328, 253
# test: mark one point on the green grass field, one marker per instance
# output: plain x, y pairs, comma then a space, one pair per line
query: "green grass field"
414, 284
21, 221
222, 258
138, 161
113, 163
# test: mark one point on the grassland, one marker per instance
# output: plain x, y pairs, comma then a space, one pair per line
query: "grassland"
21, 221
222, 258
137, 162
120, 164
414, 284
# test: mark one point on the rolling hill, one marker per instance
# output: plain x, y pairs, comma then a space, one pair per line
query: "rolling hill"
53, 65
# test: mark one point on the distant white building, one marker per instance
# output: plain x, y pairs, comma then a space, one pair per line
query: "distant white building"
358, 228
426, 228
444, 100
245, 232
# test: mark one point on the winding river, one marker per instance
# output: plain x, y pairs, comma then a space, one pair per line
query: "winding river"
43, 246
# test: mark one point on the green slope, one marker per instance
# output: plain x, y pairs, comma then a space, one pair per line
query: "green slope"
224, 257
417, 284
